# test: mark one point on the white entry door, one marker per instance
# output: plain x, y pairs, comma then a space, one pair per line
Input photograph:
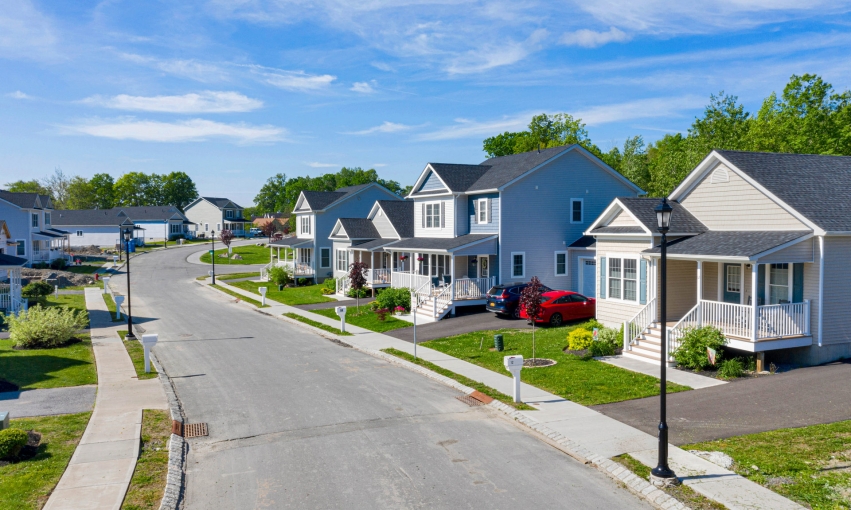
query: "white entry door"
587, 286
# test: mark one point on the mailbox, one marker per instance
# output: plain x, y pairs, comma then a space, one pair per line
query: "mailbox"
118, 301
514, 364
209, 273
115, 259
341, 311
106, 284
262, 295
148, 342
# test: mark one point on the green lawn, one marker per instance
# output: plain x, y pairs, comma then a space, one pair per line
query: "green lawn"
585, 381
110, 303
250, 255
234, 276
323, 327
137, 356
809, 465
28, 484
681, 493
481, 388
149, 478
239, 296
72, 365
82, 269
302, 295
75, 301
366, 319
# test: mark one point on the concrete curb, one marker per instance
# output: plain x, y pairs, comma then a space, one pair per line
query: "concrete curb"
177, 446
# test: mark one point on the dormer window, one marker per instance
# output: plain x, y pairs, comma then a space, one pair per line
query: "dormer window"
35, 220
305, 224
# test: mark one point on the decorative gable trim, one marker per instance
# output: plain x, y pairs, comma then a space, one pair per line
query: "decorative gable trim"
339, 231
428, 170
610, 213
301, 202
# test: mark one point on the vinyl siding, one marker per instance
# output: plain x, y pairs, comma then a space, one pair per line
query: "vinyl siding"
383, 225
573, 175
623, 220
447, 230
801, 252
483, 248
613, 313
736, 205
709, 280
837, 298
462, 223
204, 212
104, 237
334, 247
432, 183
493, 224
18, 222
682, 287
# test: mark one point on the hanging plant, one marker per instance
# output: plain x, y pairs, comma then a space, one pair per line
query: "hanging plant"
420, 258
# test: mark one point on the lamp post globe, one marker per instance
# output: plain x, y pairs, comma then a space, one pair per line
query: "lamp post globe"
128, 237
662, 475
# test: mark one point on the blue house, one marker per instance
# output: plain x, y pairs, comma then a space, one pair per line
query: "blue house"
504, 220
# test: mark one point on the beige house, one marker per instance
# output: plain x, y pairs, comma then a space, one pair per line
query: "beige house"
759, 246
214, 214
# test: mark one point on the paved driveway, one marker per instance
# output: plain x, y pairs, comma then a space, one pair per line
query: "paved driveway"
806, 396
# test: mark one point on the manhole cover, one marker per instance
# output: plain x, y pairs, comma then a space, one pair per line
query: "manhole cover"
470, 401
194, 429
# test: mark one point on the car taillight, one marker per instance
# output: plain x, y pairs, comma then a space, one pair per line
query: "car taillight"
504, 294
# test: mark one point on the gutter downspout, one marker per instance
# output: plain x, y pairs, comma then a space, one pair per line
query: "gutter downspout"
820, 287
499, 241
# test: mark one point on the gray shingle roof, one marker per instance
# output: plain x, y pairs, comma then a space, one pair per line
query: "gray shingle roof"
23, 200
221, 202
374, 244
108, 217
359, 228
401, 215
291, 242
730, 243
318, 200
459, 177
644, 209
9, 260
439, 243
819, 187
583, 242
618, 230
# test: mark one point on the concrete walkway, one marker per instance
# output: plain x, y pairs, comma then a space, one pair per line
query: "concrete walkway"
50, 401
689, 379
99, 472
599, 435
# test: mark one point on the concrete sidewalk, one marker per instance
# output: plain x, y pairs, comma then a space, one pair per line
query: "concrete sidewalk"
100, 470
598, 437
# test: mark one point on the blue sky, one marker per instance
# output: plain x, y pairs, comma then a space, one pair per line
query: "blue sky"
233, 91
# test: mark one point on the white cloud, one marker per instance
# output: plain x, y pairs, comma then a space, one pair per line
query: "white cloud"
464, 128
25, 32
296, 80
383, 66
195, 130
639, 109
591, 39
385, 127
202, 102
378, 165
18, 95
204, 72
489, 56
316, 164
362, 87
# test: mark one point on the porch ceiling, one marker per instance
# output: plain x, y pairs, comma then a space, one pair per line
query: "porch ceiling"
738, 244
291, 242
440, 244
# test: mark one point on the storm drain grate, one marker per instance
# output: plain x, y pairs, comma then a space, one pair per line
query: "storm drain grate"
470, 401
194, 429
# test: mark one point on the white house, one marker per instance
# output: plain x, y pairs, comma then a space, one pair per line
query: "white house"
216, 214
29, 217
10, 274
103, 227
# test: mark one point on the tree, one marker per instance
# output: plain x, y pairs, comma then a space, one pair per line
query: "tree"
268, 229
177, 190
31, 186
530, 300
503, 144
132, 189
58, 184
226, 236
357, 279
272, 196
80, 194
103, 191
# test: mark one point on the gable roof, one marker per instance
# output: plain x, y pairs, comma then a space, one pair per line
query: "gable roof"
459, 177
359, 228
740, 244
10, 260
27, 200
320, 200
644, 210
115, 216
219, 202
401, 215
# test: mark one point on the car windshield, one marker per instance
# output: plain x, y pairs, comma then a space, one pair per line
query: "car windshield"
496, 290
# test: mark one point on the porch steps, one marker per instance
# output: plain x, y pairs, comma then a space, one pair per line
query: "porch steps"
426, 309
648, 346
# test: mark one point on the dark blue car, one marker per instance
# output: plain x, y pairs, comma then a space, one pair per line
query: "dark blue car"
504, 299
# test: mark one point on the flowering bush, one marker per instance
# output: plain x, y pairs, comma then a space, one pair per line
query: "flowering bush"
382, 313
41, 327
400, 309
580, 339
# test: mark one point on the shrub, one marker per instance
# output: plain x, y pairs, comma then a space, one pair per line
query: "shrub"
730, 368
579, 339
601, 348
38, 290
279, 275
58, 264
41, 327
382, 313
11, 442
611, 337
175, 237
391, 298
303, 281
692, 351
358, 293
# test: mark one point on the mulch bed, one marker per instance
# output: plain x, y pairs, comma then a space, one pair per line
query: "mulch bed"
27, 452
7, 386
584, 352
538, 362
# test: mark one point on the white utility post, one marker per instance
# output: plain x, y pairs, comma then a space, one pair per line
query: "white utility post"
115, 260
106, 284
262, 295
118, 301
514, 364
56, 291
341, 311
148, 342
414, 306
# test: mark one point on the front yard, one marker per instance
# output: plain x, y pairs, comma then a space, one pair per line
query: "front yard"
585, 381
366, 319
250, 255
71, 365
301, 295
810, 465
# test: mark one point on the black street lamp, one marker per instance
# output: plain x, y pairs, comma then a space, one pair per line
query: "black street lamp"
662, 475
213, 254
128, 236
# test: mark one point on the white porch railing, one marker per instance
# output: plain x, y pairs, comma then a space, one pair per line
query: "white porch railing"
378, 276
408, 280
732, 319
420, 294
341, 285
297, 268
635, 326
264, 271
473, 288
442, 300
792, 319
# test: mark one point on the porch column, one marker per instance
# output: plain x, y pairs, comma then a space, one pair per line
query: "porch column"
699, 292
452, 277
754, 315
742, 289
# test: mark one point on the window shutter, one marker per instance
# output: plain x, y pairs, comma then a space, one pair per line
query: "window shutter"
476, 210
760, 283
487, 210
422, 206
798, 283
442, 214
602, 277
642, 283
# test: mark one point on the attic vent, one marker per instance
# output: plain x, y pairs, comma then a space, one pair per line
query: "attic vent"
719, 175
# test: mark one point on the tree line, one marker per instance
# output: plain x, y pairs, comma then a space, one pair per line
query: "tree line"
101, 191
807, 118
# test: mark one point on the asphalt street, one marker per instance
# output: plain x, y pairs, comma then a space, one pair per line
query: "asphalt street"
296, 421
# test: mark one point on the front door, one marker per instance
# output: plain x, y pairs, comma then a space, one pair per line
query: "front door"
484, 271
589, 273
732, 283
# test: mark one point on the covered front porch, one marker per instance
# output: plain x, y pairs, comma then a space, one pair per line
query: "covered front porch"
48, 245
292, 253
11, 300
373, 255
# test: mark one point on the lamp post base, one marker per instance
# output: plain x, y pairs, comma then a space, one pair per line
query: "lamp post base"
663, 480
130, 336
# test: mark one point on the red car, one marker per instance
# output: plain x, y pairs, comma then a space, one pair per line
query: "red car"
558, 306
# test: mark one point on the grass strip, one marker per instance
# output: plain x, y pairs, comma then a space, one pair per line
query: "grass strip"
234, 276
582, 380
71, 365
301, 295
681, 493
202, 277
149, 479
240, 296
487, 390
110, 304
309, 322
27, 484
366, 319
250, 254
137, 356
806, 464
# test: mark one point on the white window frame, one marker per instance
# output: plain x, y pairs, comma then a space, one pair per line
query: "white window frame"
482, 207
304, 225
324, 250
790, 280
511, 264
206, 227
34, 221
79, 233
174, 228
229, 213
344, 260
219, 228
727, 278
555, 263
581, 210
21, 242
436, 209
622, 257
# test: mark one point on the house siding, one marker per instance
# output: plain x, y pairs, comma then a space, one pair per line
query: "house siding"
204, 212
104, 237
682, 287
801, 252
492, 227
709, 280
383, 226
448, 229
623, 220
611, 312
432, 183
462, 223
837, 299
550, 189
736, 205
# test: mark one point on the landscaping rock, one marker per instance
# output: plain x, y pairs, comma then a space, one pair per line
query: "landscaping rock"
236, 256
64, 278
717, 458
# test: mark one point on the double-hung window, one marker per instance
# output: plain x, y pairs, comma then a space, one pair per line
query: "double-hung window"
432, 215
305, 224
228, 214
779, 291
79, 233
561, 263
35, 220
21, 250
342, 260
518, 264
47, 218
576, 213
324, 257
734, 278
482, 211
623, 278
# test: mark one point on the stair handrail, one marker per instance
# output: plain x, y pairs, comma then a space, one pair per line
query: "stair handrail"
676, 332
641, 321
264, 272
443, 299
415, 295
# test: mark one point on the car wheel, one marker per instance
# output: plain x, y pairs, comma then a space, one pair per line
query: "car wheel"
516, 312
555, 319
